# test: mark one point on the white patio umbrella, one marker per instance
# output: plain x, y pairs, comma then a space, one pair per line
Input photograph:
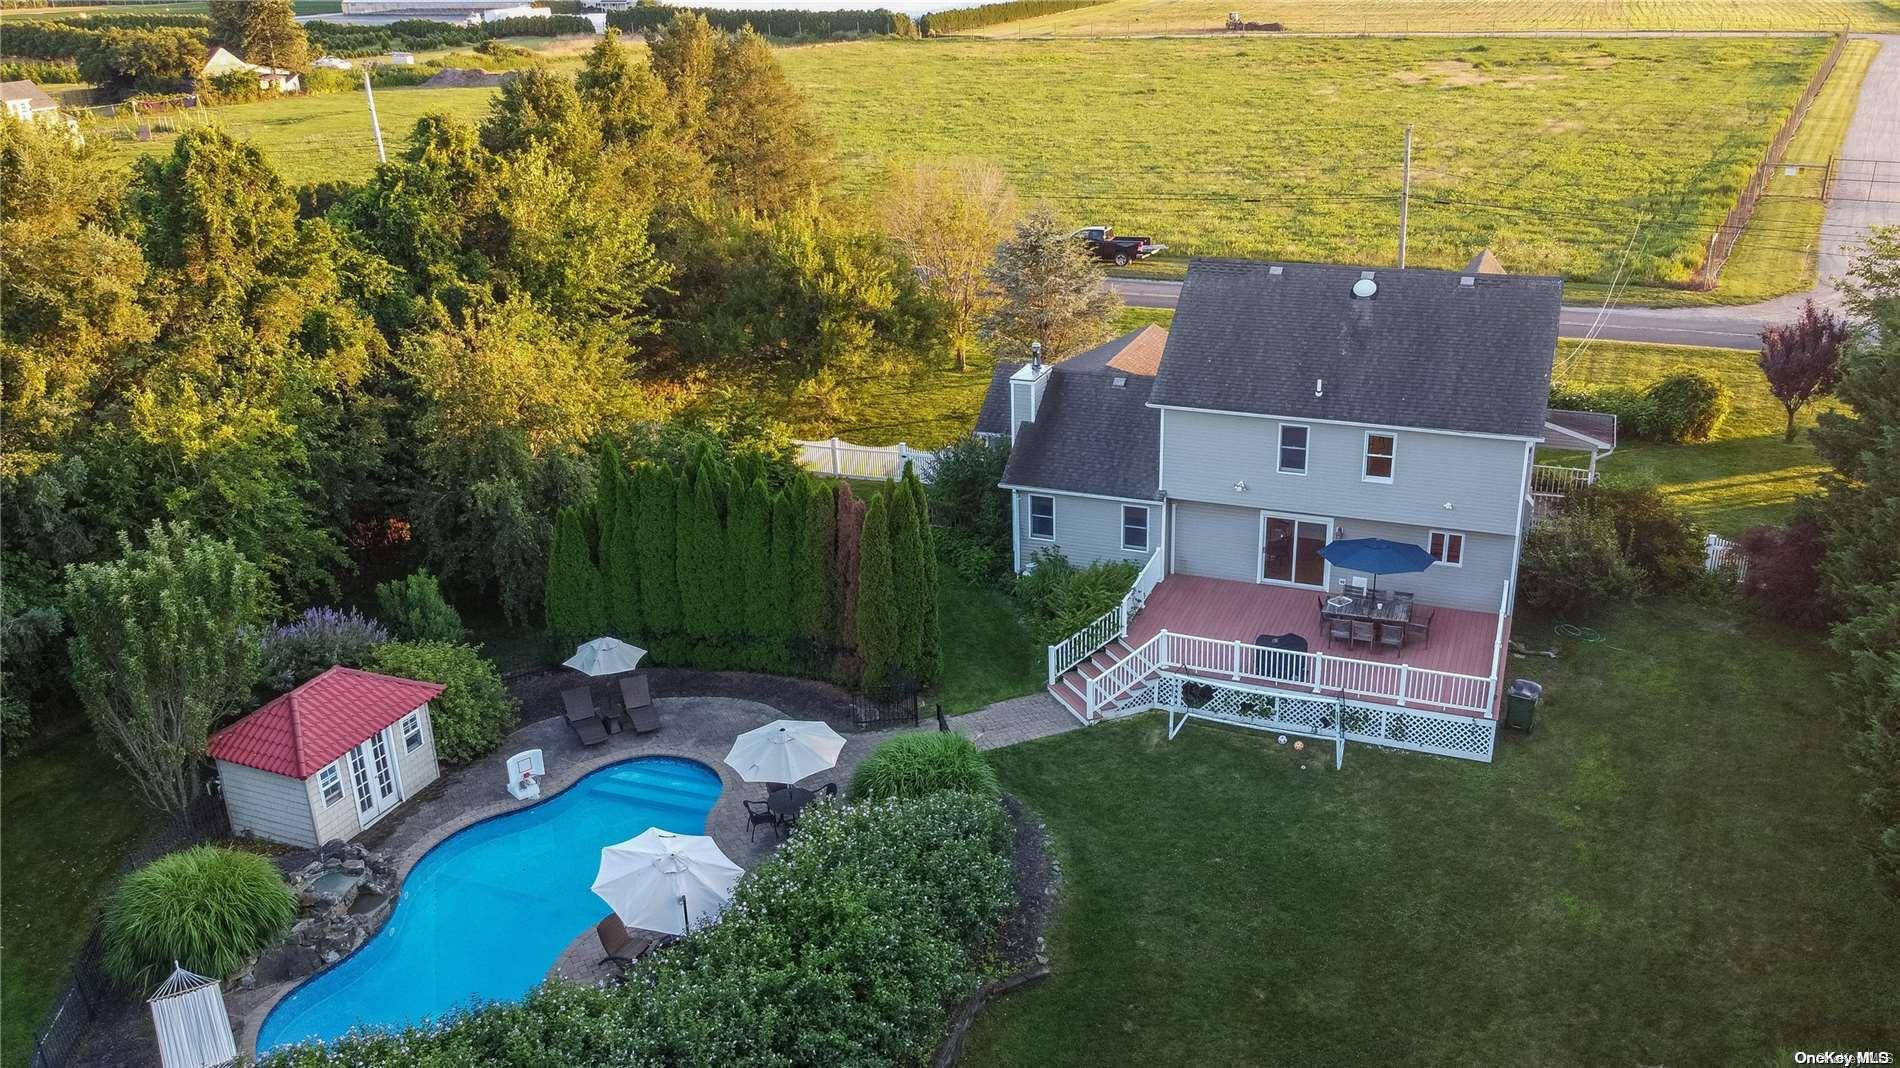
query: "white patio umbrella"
785, 750
666, 882
605, 656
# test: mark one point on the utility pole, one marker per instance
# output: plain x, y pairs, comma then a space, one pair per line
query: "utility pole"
370, 95
1405, 194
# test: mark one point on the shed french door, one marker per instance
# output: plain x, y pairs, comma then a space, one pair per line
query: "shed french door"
373, 773
1289, 549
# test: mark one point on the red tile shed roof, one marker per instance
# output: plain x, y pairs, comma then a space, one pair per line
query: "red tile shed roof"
310, 726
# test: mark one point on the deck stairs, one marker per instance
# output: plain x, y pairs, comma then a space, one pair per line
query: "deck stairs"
1071, 687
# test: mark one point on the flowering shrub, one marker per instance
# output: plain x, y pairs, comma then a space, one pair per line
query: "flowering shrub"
475, 711
847, 946
320, 639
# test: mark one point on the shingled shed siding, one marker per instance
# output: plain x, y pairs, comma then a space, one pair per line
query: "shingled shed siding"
1088, 529
267, 805
1205, 454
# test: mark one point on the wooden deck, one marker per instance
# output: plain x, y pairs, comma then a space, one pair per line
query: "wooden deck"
1461, 640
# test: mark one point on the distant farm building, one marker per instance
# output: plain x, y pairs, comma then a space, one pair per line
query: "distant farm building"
453, 12
222, 62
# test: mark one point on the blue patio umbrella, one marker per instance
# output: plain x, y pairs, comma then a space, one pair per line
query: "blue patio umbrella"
1377, 556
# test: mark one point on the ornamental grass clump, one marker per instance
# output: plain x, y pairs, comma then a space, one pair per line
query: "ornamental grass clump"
918, 765
207, 908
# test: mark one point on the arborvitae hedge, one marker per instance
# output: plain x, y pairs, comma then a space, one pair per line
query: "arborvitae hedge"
814, 589
702, 563
910, 590
970, 18
575, 595
657, 538
930, 631
878, 615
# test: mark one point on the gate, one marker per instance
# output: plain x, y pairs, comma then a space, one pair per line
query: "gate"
1863, 179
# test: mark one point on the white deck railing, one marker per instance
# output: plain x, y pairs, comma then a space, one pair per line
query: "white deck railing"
1551, 480
1321, 673
842, 459
1110, 625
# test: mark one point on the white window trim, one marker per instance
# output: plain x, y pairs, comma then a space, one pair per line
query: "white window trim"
1145, 533
1446, 536
1306, 450
1365, 454
403, 732
333, 767
1031, 513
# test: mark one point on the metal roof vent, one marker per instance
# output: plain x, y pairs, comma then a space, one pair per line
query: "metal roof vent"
1120, 382
1276, 269
1467, 281
1364, 288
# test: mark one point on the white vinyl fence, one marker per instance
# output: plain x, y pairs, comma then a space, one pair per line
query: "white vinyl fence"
1719, 552
842, 459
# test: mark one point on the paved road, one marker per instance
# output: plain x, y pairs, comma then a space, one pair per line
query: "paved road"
1873, 134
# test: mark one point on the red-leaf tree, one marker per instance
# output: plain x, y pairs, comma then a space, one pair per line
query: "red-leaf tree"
1802, 359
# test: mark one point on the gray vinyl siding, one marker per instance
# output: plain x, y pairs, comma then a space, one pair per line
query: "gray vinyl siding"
267, 805
418, 769
1477, 584
338, 822
1204, 455
1215, 541
1088, 529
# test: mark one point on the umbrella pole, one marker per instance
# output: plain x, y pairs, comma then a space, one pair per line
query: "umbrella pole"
685, 917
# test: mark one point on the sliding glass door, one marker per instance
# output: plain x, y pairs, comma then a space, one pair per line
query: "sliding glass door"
1289, 549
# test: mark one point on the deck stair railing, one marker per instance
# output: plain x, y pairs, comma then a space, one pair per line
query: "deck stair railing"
1110, 625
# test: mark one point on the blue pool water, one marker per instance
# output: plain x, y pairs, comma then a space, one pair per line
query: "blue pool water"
484, 915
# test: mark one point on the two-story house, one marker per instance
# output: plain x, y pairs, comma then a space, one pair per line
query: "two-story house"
1290, 406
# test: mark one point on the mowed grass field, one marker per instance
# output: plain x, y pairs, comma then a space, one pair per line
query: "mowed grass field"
1547, 150
1457, 16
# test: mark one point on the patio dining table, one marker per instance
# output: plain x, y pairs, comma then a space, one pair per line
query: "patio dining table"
1379, 608
786, 801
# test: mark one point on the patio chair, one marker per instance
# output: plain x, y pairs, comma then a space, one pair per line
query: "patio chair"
620, 945
638, 698
1392, 635
1362, 631
1338, 629
582, 716
1420, 628
756, 812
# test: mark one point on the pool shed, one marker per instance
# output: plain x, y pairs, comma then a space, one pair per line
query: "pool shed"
329, 758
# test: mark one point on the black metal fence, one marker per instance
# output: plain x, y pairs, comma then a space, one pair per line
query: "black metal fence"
78, 1003
895, 706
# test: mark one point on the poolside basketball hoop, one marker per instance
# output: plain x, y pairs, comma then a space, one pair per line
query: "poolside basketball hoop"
524, 774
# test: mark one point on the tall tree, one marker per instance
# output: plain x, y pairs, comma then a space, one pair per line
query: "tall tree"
1052, 291
683, 54
1802, 359
272, 37
930, 628
814, 586
538, 108
164, 645
702, 564
620, 567
658, 518
950, 218
575, 593
618, 87
767, 152
227, 24
877, 612
910, 587
775, 625
751, 529
848, 526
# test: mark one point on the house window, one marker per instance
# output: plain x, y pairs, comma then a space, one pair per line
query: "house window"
1448, 548
330, 781
1134, 527
1042, 518
1380, 451
412, 732
1293, 450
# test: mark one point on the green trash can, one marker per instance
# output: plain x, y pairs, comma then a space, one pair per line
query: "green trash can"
1520, 704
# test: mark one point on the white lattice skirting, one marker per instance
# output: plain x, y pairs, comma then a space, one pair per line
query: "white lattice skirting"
1465, 737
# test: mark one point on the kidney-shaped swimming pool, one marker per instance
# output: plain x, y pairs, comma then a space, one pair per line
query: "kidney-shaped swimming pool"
483, 916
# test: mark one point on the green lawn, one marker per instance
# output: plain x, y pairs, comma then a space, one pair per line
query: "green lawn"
1746, 475
1409, 16
1665, 873
67, 821
1542, 149
988, 653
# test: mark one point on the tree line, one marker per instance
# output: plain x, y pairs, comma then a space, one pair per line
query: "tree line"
784, 23
742, 563
958, 20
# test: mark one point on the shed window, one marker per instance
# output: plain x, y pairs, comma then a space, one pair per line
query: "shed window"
1134, 527
412, 732
330, 781
1381, 449
1042, 517
1293, 449
1448, 548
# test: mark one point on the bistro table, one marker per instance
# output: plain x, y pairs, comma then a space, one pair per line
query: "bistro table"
785, 802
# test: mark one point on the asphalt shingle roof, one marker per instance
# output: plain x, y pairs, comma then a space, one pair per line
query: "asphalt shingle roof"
1094, 433
312, 725
1426, 350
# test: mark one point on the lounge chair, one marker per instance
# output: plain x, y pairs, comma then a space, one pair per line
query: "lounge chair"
637, 696
582, 716
756, 812
620, 945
